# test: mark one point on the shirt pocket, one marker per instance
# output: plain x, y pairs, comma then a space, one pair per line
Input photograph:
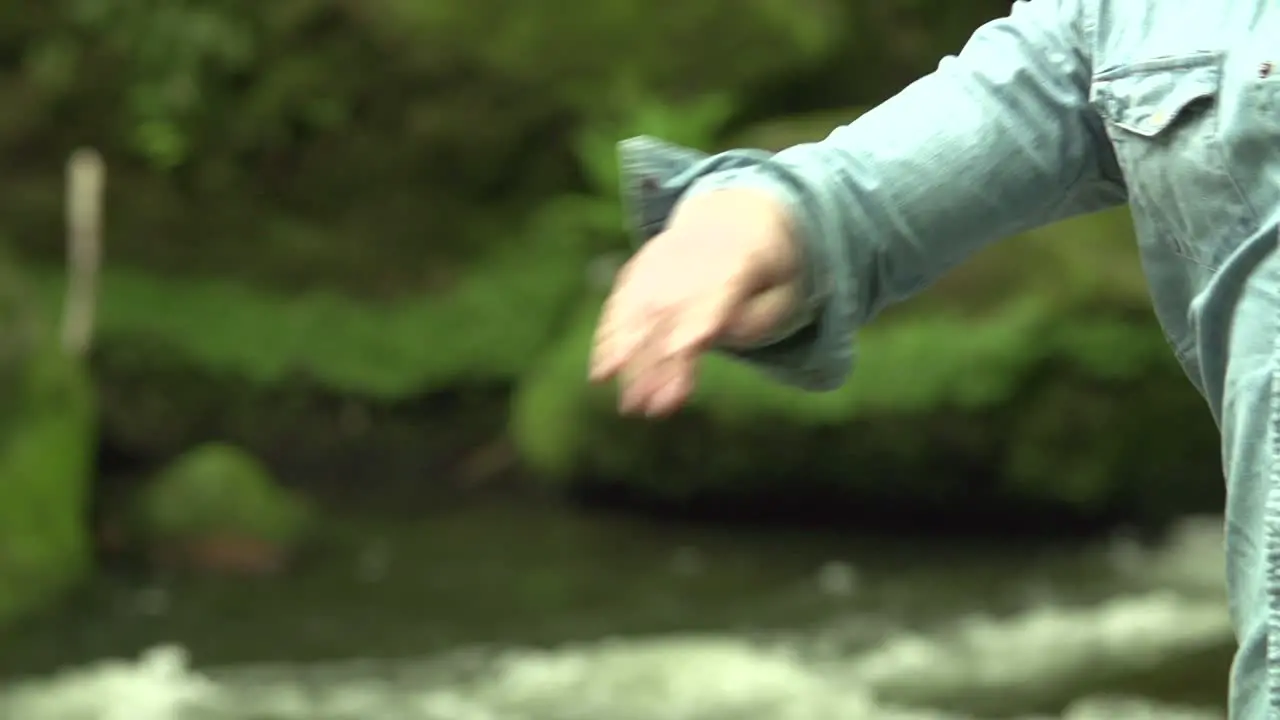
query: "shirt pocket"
1161, 116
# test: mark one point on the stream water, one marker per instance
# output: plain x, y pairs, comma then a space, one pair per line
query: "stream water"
518, 613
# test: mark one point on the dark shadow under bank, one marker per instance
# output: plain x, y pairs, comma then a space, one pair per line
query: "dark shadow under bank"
449, 489
396, 458
422, 456
982, 517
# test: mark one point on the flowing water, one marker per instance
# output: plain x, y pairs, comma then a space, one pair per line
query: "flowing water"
541, 614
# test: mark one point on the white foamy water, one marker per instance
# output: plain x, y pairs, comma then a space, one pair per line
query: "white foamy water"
863, 668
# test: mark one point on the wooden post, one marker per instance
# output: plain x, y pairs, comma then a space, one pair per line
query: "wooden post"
86, 181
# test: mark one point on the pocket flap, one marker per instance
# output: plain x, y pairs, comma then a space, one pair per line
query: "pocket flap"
1146, 98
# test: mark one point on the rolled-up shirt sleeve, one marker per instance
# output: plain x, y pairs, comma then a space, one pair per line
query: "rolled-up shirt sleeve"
998, 140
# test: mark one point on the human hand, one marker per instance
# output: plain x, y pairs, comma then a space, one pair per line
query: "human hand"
725, 271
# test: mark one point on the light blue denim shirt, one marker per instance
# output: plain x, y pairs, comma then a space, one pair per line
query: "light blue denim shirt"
1062, 108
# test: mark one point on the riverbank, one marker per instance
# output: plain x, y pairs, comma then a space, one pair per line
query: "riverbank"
1033, 381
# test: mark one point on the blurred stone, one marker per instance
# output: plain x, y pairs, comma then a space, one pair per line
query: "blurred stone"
217, 509
838, 579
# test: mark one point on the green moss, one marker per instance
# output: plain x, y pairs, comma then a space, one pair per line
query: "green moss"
217, 489
550, 410
485, 327
47, 443
46, 461
1145, 440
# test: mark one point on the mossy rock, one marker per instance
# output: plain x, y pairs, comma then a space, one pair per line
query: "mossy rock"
1033, 375
215, 491
47, 444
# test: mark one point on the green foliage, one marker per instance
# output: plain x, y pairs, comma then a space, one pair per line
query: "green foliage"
460, 158
593, 221
46, 461
176, 64
483, 324
696, 124
47, 443
372, 146
550, 412
1144, 440
599, 56
171, 50
264, 72
19, 331
485, 328
216, 489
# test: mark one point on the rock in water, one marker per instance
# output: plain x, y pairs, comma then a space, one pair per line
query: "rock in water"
217, 508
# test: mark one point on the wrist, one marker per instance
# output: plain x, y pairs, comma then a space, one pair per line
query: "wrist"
776, 296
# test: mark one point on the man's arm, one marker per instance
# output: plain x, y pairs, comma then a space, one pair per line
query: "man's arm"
998, 140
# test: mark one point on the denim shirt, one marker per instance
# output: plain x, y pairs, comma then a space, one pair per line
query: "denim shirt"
1064, 107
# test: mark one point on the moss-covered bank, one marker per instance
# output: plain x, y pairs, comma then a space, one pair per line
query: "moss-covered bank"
47, 441
328, 389
1034, 374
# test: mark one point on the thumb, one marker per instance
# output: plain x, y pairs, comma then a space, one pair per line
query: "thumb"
761, 316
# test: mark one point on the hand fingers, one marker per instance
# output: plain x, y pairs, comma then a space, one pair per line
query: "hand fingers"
641, 300
619, 331
657, 389
657, 381
642, 373
760, 316
678, 376
654, 382
661, 315
700, 322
